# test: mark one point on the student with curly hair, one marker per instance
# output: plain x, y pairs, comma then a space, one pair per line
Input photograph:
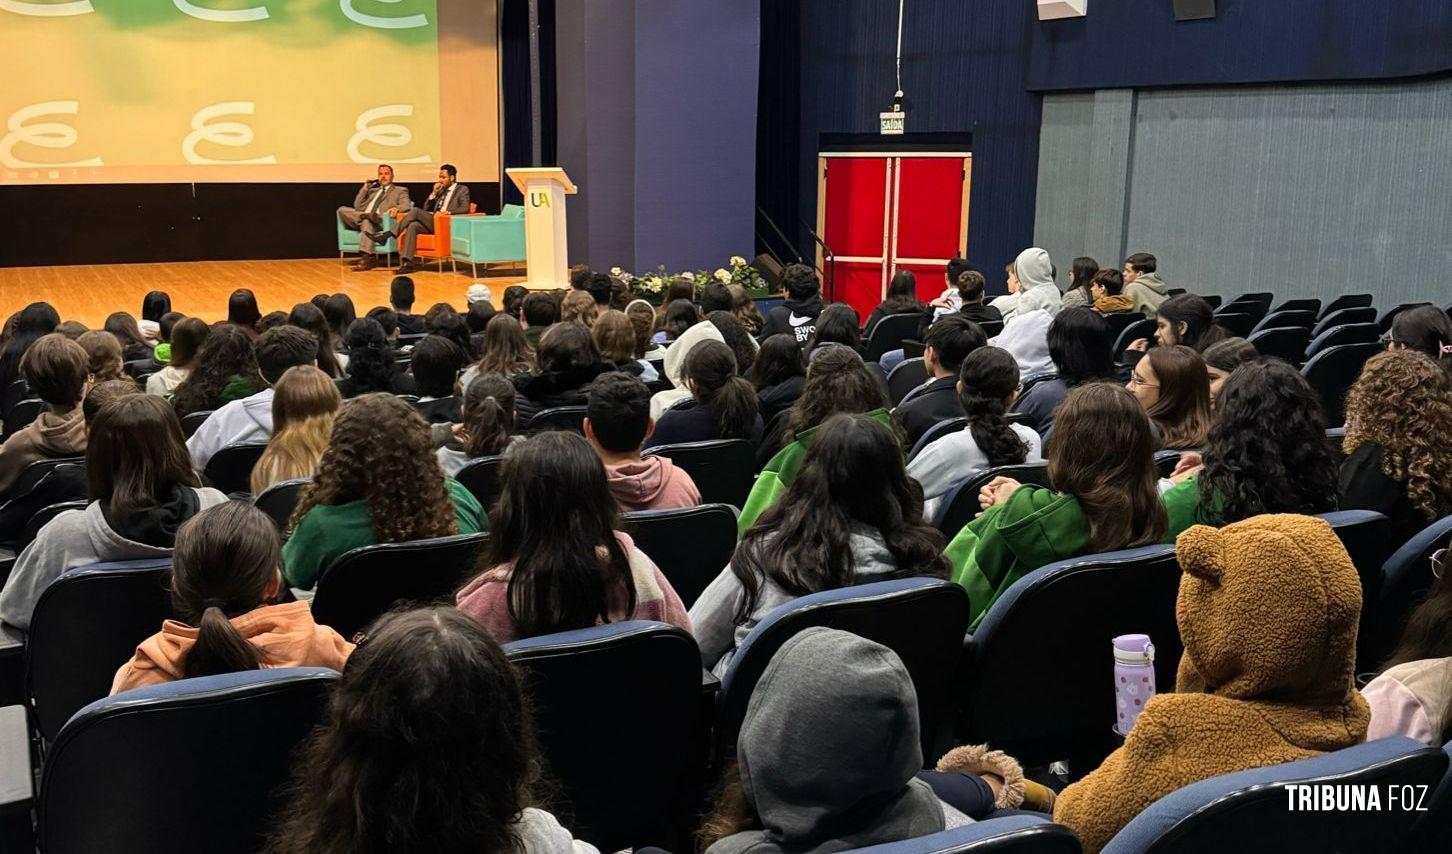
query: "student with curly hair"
225, 370
1266, 452
304, 403
378, 482
851, 516
1399, 442
428, 746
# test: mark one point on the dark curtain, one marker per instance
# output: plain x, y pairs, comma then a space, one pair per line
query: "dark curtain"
514, 47
778, 126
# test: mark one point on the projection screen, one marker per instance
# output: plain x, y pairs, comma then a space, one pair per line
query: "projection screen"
182, 91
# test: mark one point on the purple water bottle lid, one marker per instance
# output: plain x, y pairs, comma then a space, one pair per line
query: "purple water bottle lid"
1134, 649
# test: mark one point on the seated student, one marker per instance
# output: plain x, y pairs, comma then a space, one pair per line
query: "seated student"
506, 351
1173, 387
642, 320
303, 408
388, 320
568, 363
542, 578
614, 335
19, 332
1143, 285
1102, 467
744, 307
722, 404
476, 318
142, 488
579, 307
1266, 452
56, 370
134, 346
242, 312
743, 346
675, 366
617, 425
436, 365
400, 298
1033, 276
1412, 696
1081, 276
72, 329
951, 299
513, 300
154, 306
432, 705
1026, 337
949, 342
378, 482
372, 364
1107, 290
68, 482
902, 298
540, 313
837, 324
1184, 319
185, 345
714, 297
797, 315
309, 317
271, 320
778, 375
969, 300
250, 419
224, 583
680, 315
1221, 359
341, 313
225, 371
837, 381
1268, 611
678, 289
1080, 345
1426, 329
987, 385
103, 355
487, 428
1398, 432
851, 516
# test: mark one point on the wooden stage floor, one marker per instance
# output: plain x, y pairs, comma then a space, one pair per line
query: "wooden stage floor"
89, 293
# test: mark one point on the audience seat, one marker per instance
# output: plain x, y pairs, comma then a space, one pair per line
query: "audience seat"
1024, 833
691, 545
1120, 320
724, 470
923, 620
1029, 382
621, 721
991, 328
1359, 314
191, 421
1214, 299
365, 583
230, 469
1237, 323
85, 626
1346, 301
195, 765
1141, 328
1281, 319
1346, 333
1311, 305
21, 415
1036, 679
889, 333
481, 478
1264, 298
280, 499
1367, 537
13, 394
960, 505
1248, 811
905, 377
1333, 371
42, 483
1282, 342
1434, 828
936, 432
1385, 321
1405, 579
1165, 462
569, 418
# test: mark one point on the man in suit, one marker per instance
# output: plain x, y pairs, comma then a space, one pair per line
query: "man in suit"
448, 196
365, 215
949, 341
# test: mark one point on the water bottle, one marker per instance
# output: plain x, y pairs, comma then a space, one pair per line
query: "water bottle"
1134, 679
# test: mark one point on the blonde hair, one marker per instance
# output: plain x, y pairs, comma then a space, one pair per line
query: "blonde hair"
303, 408
614, 334
103, 351
579, 307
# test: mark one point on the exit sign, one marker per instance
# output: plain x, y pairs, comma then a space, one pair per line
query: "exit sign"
892, 123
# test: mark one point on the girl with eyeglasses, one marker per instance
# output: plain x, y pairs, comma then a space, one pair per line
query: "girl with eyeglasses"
1413, 694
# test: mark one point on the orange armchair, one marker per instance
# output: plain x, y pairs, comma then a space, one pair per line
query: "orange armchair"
436, 245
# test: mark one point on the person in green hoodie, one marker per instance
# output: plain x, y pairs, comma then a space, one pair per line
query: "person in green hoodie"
1104, 498
1267, 452
837, 381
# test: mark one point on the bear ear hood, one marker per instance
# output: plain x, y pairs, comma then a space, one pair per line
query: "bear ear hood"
1268, 610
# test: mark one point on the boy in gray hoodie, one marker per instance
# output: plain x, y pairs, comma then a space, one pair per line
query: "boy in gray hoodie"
1142, 284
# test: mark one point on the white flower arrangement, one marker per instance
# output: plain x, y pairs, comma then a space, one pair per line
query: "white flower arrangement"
737, 272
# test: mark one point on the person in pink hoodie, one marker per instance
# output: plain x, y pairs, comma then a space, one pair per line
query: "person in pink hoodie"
224, 574
556, 560
617, 424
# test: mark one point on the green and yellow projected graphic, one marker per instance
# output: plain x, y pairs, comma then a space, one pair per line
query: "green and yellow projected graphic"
153, 91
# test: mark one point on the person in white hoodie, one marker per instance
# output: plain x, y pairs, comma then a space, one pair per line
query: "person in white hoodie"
1036, 288
675, 366
250, 419
1026, 321
144, 488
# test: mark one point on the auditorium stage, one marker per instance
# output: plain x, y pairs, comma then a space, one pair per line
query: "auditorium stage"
200, 288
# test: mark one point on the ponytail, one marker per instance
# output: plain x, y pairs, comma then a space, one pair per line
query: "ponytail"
488, 416
988, 379
219, 647
710, 370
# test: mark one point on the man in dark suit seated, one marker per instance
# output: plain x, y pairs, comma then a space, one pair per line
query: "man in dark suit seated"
949, 341
448, 196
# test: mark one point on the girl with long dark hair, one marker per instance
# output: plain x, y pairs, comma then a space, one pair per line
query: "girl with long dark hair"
26, 327
224, 583
506, 351
850, 516
372, 365
1080, 346
1081, 276
226, 370
1187, 320
987, 386
1426, 329
722, 406
541, 576
187, 338
307, 316
902, 298
154, 306
1173, 386
837, 324
778, 375
568, 362
488, 428
1104, 498
134, 346
242, 311
680, 315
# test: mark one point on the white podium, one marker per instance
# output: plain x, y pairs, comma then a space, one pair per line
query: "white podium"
544, 190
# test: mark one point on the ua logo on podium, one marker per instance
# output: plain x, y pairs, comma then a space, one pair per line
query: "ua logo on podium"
539, 200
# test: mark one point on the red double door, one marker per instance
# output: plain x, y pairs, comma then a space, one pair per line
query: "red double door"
880, 213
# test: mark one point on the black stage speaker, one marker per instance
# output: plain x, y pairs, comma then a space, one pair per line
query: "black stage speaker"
1194, 10
770, 270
